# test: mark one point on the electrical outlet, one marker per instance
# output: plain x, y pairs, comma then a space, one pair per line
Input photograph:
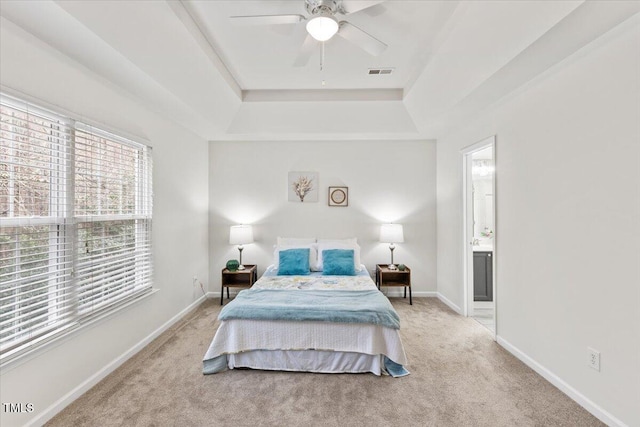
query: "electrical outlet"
594, 359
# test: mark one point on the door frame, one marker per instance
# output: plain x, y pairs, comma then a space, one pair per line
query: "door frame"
467, 226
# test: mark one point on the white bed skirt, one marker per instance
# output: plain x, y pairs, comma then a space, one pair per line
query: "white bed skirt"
307, 361
305, 346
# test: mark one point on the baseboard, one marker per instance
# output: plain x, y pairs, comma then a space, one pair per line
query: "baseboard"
448, 302
66, 400
574, 394
398, 292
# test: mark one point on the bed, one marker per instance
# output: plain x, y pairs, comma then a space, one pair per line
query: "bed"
314, 321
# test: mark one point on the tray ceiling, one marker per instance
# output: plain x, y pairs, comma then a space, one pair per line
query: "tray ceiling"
189, 61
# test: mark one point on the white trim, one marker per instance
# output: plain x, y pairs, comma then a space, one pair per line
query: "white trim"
112, 217
494, 268
67, 399
567, 389
449, 303
398, 292
28, 221
320, 95
483, 143
467, 250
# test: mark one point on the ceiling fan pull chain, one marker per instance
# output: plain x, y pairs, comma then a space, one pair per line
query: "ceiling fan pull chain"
321, 56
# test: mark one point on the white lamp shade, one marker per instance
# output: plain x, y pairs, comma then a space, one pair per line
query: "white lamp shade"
240, 234
322, 27
391, 233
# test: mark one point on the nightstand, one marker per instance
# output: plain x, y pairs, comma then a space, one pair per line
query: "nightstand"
238, 279
386, 277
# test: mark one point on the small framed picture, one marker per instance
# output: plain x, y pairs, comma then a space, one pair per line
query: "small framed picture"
338, 196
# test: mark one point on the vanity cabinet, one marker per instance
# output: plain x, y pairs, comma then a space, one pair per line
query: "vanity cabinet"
483, 276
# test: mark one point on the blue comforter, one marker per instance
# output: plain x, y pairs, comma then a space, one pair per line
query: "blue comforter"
369, 306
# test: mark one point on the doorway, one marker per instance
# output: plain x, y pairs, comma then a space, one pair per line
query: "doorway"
479, 186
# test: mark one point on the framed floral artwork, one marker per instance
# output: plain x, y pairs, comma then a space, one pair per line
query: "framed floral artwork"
303, 187
338, 196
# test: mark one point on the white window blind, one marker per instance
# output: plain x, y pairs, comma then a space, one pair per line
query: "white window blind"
75, 223
113, 212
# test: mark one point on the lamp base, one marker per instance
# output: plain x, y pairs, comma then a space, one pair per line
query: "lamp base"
392, 266
240, 267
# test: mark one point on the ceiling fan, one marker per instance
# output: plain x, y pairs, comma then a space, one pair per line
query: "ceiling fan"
322, 25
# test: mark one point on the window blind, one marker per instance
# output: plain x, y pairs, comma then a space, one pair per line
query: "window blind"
75, 223
113, 211
36, 294
35, 162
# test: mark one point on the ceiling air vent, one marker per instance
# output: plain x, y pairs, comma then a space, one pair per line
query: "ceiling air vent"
380, 71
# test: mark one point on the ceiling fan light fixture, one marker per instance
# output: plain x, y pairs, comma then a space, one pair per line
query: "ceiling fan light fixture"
322, 27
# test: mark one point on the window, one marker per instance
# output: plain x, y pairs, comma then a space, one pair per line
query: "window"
75, 223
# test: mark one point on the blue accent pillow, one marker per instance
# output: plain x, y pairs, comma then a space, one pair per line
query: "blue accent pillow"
293, 262
338, 262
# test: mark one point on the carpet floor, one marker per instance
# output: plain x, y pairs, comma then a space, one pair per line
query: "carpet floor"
459, 377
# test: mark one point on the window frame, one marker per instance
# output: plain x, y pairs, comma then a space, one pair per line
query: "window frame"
63, 226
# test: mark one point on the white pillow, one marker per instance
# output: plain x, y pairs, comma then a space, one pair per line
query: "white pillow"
288, 241
350, 241
334, 244
313, 254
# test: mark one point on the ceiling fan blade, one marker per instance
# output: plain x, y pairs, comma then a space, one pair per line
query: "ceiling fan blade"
352, 6
267, 19
360, 38
306, 50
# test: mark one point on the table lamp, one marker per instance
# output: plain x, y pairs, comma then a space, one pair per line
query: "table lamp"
240, 235
392, 234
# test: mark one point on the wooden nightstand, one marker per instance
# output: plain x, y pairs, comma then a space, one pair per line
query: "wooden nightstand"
238, 279
386, 277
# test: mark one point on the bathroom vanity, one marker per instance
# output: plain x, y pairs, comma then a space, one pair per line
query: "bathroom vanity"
482, 274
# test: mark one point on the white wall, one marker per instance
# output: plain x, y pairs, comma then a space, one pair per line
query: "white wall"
50, 379
568, 209
388, 181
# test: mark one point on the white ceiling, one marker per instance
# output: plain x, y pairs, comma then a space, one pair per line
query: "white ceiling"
188, 61
262, 56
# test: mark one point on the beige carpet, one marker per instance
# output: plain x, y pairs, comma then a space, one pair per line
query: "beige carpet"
459, 377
